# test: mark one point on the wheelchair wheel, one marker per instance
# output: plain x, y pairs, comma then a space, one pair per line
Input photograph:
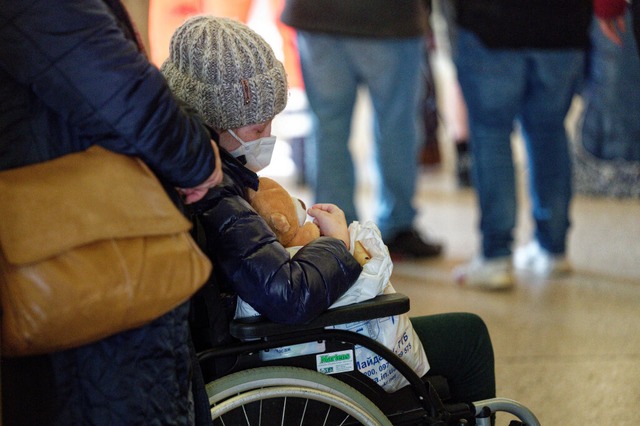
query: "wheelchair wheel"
289, 396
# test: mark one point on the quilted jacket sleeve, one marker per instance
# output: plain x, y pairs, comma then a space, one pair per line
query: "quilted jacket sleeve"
74, 58
248, 258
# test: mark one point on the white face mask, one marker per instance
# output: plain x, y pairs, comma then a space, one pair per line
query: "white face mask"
257, 153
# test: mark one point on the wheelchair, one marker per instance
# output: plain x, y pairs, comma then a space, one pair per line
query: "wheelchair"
248, 385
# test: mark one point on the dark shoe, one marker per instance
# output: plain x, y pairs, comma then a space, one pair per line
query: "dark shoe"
410, 244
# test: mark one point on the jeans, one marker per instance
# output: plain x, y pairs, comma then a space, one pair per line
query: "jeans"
610, 126
333, 68
535, 88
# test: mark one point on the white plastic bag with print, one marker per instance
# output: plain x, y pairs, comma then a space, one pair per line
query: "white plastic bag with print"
397, 334
394, 332
372, 280
375, 274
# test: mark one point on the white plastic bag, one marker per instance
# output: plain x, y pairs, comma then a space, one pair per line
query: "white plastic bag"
375, 274
372, 280
397, 334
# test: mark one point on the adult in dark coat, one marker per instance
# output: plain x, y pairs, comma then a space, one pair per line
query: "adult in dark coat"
72, 75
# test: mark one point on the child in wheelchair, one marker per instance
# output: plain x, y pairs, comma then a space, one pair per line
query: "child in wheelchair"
231, 77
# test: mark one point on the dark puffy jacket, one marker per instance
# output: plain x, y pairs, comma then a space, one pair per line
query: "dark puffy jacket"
250, 262
70, 78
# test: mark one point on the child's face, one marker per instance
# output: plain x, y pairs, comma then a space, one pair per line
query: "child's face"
246, 133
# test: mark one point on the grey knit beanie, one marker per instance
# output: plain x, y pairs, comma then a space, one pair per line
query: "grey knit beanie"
226, 71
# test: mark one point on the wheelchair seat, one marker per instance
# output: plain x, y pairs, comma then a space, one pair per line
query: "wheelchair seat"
248, 380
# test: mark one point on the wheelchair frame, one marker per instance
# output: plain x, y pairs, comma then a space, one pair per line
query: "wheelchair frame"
236, 374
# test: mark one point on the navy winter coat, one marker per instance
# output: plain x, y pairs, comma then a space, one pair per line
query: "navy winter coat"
250, 262
70, 78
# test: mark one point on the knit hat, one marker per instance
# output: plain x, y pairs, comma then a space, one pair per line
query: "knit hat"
226, 71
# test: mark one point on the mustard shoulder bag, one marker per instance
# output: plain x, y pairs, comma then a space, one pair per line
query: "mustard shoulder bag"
90, 245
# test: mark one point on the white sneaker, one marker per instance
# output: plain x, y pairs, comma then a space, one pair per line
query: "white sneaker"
486, 274
535, 260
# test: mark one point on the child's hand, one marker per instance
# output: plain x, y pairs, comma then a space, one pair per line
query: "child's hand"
331, 221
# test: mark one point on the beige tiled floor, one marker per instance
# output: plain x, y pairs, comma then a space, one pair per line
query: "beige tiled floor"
569, 348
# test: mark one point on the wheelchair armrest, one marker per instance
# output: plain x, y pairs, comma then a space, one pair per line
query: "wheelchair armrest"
384, 305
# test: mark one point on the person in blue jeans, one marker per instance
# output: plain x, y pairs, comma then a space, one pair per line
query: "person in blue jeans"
610, 128
607, 152
520, 62
344, 46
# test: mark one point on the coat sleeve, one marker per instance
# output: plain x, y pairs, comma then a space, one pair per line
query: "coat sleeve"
249, 259
77, 61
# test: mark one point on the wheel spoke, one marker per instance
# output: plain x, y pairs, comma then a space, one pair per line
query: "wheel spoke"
246, 416
327, 415
304, 412
284, 411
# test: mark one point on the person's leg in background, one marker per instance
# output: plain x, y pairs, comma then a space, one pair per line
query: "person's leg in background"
331, 86
391, 69
458, 347
430, 148
459, 130
609, 127
455, 109
606, 149
635, 13
493, 82
553, 77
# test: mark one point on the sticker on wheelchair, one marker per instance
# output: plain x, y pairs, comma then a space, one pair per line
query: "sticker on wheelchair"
335, 362
293, 350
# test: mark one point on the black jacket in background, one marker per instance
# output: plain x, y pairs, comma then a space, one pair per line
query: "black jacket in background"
540, 24
360, 18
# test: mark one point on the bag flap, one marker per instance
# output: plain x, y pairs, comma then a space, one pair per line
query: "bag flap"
50, 207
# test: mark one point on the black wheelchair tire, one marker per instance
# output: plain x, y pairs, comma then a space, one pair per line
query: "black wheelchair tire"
237, 390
